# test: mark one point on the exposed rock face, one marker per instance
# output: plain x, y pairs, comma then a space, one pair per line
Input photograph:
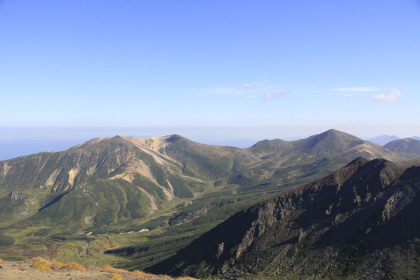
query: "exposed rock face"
16, 195
362, 221
183, 218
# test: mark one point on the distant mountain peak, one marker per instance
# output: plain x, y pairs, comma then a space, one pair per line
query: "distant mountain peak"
329, 141
383, 139
336, 133
406, 145
175, 138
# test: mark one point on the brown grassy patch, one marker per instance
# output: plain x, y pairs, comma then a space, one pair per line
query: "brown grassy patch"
137, 273
164, 276
186, 278
108, 268
116, 276
74, 266
42, 266
47, 262
59, 264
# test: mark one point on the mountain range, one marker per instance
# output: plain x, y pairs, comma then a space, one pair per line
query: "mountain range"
141, 200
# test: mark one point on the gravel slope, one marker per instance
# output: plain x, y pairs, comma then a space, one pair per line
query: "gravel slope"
22, 271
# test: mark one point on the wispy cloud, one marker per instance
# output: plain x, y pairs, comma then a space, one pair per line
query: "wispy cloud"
275, 94
356, 89
251, 86
262, 89
243, 88
392, 96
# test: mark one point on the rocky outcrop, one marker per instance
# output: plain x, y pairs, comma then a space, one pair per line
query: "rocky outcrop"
17, 195
186, 217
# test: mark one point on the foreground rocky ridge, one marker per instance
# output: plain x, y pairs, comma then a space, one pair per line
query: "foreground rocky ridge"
362, 221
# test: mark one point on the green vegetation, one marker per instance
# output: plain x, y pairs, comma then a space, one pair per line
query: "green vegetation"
141, 205
6, 241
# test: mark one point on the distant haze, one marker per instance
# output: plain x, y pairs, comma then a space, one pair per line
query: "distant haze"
21, 141
383, 139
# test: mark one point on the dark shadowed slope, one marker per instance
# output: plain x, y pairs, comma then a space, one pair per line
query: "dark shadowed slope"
362, 221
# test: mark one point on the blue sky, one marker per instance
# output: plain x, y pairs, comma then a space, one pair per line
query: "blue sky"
245, 69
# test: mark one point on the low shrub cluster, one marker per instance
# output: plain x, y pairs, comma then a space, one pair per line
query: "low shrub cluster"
47, 263
74, 266
116, 274
42, 266
136, 273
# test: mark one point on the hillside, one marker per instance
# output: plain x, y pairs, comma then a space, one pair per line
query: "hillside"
141, 200
362, 222
299, 162
407, 145
137, 177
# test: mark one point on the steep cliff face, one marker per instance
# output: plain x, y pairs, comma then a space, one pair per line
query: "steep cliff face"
362, 221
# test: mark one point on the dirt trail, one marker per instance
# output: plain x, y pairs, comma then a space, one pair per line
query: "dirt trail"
85, 250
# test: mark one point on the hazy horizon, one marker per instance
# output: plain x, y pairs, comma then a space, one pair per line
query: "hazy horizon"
21, 141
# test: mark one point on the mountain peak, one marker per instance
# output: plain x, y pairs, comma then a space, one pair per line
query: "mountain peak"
329, 141
175, 138
336, 133
117, 137
100, 143
406, 145
360, 161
